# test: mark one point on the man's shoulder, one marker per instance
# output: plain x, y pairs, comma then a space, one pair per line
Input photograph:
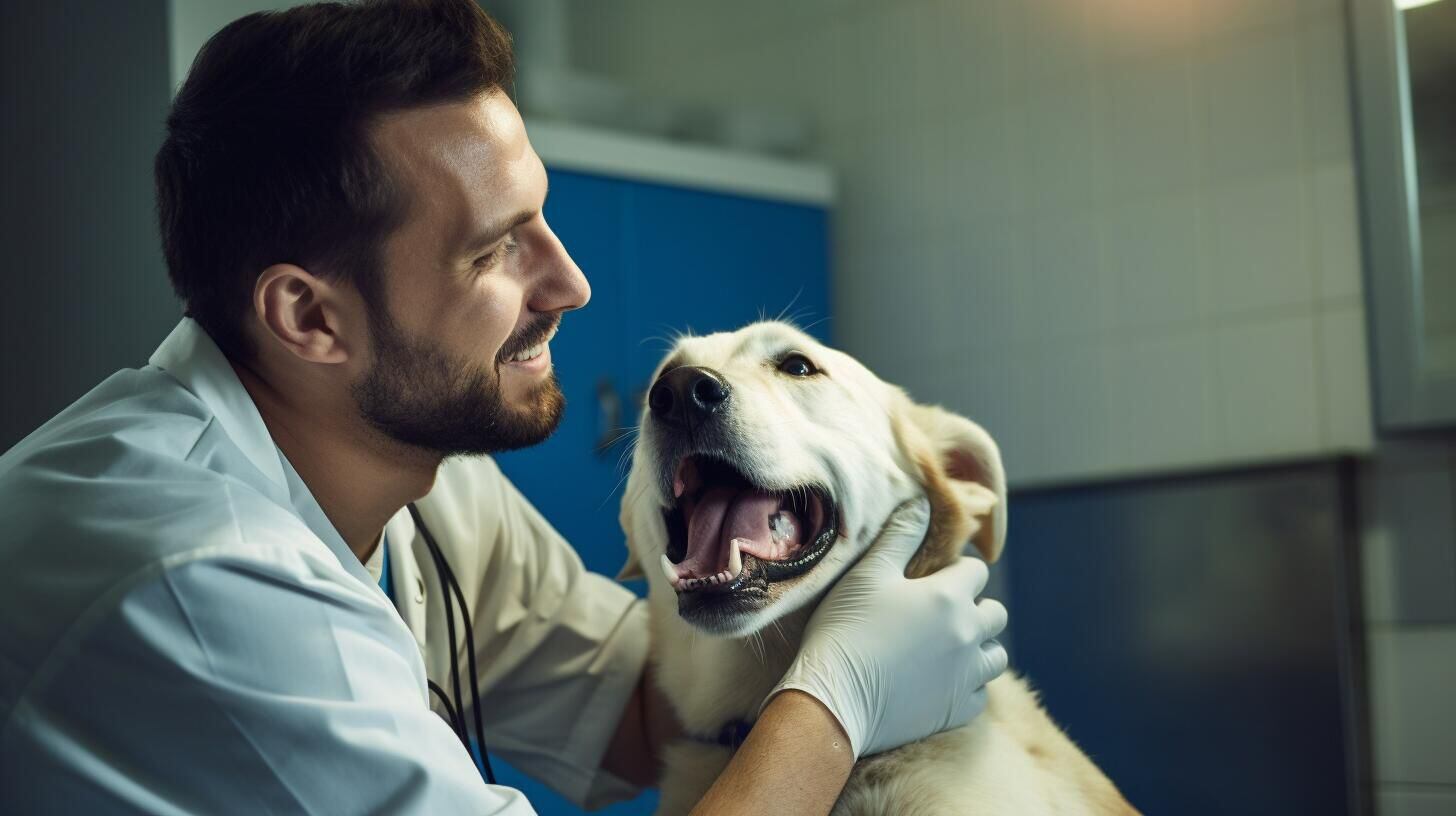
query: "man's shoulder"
133, 413
135, 472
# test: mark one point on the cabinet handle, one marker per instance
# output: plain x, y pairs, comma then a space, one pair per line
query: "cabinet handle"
609, 417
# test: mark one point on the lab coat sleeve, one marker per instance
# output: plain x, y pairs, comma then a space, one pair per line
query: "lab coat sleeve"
240, 682
576, 644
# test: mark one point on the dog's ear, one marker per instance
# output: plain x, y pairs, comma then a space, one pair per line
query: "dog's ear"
960, 468
631, 570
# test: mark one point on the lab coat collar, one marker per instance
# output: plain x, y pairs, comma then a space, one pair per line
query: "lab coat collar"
195, 361
191, 357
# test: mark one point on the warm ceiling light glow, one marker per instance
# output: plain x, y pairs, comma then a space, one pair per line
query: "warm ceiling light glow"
1404, 5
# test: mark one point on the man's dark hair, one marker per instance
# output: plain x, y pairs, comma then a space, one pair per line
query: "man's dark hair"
268, 158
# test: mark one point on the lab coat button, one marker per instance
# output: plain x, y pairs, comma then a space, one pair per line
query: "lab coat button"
419, 589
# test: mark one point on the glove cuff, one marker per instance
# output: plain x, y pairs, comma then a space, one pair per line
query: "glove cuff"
804, 681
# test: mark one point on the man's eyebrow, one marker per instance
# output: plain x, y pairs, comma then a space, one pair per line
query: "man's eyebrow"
495, 232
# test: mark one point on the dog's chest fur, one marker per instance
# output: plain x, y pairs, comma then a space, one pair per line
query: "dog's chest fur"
1010, 759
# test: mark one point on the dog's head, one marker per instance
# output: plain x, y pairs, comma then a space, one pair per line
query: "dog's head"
767, 462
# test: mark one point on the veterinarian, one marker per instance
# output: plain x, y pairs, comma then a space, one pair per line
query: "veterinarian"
272, 571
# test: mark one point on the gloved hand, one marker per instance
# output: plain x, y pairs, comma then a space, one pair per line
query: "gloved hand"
898, 659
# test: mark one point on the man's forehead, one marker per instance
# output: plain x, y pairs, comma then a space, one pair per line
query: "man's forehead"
470, 158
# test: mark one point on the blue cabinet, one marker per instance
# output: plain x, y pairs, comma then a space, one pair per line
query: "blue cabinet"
660, 259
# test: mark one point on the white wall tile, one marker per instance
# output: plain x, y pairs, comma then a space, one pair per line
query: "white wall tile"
1336, 232
1345, 379
1160, 391
1251, 111
1057, 162
1393, 800
1223, 18
1057, 39
1056, 417
1324, 84
1144, 134
973, 292
1147, 249
1079, 427
1060, 290
978, 171
969, 45
1130, 30
1253, 256
1413, 710
1267, 388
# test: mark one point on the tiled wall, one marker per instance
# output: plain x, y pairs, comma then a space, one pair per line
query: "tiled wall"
1122, 234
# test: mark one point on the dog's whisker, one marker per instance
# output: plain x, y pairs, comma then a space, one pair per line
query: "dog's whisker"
792, 301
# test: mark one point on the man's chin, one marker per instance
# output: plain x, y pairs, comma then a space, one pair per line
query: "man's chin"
473, 424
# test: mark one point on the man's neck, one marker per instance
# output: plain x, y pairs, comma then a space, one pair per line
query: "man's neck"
359, 480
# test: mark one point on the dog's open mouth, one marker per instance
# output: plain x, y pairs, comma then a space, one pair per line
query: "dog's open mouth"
727, 534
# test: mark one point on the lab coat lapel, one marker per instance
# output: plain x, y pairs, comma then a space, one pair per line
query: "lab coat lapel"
191, 357
410, 589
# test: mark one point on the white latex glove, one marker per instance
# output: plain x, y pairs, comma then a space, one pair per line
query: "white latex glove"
895, 659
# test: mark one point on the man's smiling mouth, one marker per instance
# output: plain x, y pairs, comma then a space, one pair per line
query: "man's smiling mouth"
729, 535
530, 343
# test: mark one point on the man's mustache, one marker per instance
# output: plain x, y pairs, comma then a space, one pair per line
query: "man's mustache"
529, 336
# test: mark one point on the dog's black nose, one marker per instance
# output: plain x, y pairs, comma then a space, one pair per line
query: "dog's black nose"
687, 394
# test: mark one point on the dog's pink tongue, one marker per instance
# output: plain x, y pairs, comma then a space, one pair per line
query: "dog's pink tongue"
722, 514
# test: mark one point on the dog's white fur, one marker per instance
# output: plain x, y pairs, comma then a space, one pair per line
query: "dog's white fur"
874, 449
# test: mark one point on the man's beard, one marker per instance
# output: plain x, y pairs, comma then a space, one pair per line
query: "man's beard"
418, 395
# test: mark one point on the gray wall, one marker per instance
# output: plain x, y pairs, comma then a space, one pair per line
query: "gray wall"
84, 89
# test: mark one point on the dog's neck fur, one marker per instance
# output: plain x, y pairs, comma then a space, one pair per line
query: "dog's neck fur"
708, 701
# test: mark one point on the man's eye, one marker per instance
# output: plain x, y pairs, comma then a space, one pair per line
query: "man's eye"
797, 365
496, 255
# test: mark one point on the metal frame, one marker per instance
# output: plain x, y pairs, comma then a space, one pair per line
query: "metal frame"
1408, 394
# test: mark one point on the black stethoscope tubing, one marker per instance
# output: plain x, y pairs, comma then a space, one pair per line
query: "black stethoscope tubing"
456, 712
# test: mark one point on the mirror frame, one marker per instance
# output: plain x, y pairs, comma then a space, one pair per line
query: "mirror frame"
1408, 396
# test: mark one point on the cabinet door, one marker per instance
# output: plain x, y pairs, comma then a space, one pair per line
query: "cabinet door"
705, 262
571, 478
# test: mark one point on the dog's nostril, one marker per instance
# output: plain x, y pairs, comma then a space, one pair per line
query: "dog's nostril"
660, 399
709, 391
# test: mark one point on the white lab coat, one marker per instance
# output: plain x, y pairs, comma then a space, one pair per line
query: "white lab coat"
183, 631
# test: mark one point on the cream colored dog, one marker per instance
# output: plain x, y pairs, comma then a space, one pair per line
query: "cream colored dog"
766, 465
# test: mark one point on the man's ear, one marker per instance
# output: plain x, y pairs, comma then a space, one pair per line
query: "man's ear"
302, 312
960, 468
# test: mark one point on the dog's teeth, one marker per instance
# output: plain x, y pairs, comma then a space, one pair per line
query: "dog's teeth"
735, 558
670, 571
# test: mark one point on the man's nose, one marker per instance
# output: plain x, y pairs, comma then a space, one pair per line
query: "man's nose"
688, 395
559, 285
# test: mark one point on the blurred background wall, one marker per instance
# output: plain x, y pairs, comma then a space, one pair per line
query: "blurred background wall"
85, 92
1131, 238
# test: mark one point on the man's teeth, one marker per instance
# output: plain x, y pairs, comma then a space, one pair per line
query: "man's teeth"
531, 353
534, 351
727, 576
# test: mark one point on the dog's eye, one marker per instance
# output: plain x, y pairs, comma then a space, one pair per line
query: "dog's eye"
797, 365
